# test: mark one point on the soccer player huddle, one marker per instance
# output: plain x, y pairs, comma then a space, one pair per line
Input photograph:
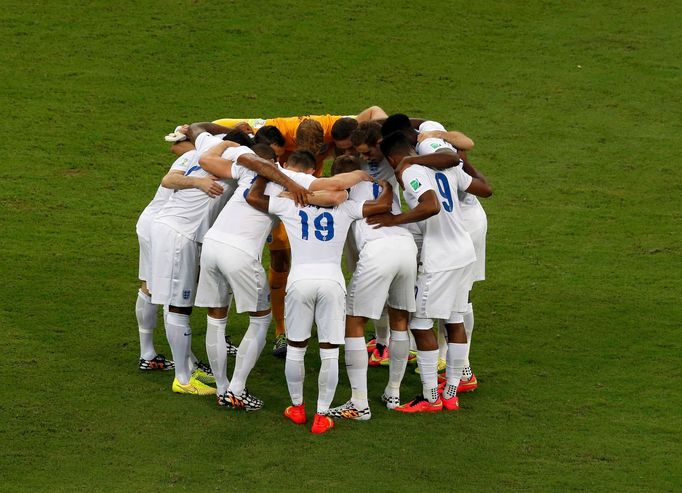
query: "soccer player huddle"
405, 190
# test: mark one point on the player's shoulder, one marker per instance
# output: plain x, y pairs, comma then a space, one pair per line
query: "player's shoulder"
430, 125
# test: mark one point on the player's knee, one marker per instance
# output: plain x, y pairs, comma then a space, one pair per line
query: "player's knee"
183, 310
299, 344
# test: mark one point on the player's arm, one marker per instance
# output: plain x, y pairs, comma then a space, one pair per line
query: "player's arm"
441, 159
193, 130
179, 148
382, 204
452, 137
176, 180
479, 185
371, 113
342, 181
266, 169
323, 198
428, 206
256, 197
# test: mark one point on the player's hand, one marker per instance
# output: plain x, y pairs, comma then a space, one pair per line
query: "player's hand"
299, 194
382, 220
183, 129
428, 134
364, 175
245, 127
385, 185
209, 186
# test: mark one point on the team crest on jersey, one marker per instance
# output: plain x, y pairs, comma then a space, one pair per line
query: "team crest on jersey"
185, 294
415, 184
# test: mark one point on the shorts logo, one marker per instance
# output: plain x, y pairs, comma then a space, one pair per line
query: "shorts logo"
185, 294
415, 184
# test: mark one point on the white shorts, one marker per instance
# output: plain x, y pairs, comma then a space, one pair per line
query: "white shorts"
144, 271
476, 224
386, 271
319, 301
175, 263
226, 270
441, 293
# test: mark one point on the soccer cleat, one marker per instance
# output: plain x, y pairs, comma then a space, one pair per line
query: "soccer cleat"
193, 387
441, 366
231, 348
412, 358
243, 401
321, 424
442, 378
203, 373
158, 363
379, 357
390, 401
280, 347
421, 405
349, 411
372, 344
296, 414
451, 404
467, 385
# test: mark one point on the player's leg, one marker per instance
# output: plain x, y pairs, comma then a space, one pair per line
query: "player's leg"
382, 335
398, 353
300, 313
280, 263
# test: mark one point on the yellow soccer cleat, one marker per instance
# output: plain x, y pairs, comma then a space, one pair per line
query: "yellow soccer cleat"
194, 387
203, 373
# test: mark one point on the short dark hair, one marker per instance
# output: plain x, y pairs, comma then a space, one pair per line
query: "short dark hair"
395, 123
394, 143
343, 127
302, 158
269, 134
264, 151
367, 133
345, 164
239, 137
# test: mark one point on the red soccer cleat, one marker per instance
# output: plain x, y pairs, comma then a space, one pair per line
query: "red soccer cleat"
322, 424
296, 414
371, 345
421, 405
451, 404
379, 357
467, 385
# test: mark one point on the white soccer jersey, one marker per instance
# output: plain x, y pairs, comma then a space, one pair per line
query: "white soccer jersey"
363, 232
239, 224
144, 223
317, 236
446, 244
382, 170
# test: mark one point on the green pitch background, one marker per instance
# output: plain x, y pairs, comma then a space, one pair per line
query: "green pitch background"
575, 109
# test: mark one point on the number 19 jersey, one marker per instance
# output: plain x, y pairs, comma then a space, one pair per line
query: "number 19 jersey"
317, 236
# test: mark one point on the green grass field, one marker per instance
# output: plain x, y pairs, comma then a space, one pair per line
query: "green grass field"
575, 108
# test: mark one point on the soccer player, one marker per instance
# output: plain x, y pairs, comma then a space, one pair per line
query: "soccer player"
231, 260
315, 289
447, 249
385, 275
145, 310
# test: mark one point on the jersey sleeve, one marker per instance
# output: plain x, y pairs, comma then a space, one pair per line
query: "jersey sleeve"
183, 162
431, 145
205, 141
279, 206
353, 208
273, 189
463, 178
416, 181
430, 125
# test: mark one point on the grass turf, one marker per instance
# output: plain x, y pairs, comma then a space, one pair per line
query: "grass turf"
575, 109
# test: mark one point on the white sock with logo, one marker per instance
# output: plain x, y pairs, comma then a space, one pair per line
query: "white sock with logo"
145, 312
249, 350
179, 334
217, 351
455, 360
294, 371
356, 367
398, 352
328, 379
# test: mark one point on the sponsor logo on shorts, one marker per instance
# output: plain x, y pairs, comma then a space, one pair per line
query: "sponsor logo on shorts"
415, 184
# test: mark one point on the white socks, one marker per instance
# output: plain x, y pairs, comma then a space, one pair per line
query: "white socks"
179, 335
381, 329
145, 313
469, 329
249, 350
356, 367
328, 379
398, 352
455, 360
294, 370
217, 351
428, 371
